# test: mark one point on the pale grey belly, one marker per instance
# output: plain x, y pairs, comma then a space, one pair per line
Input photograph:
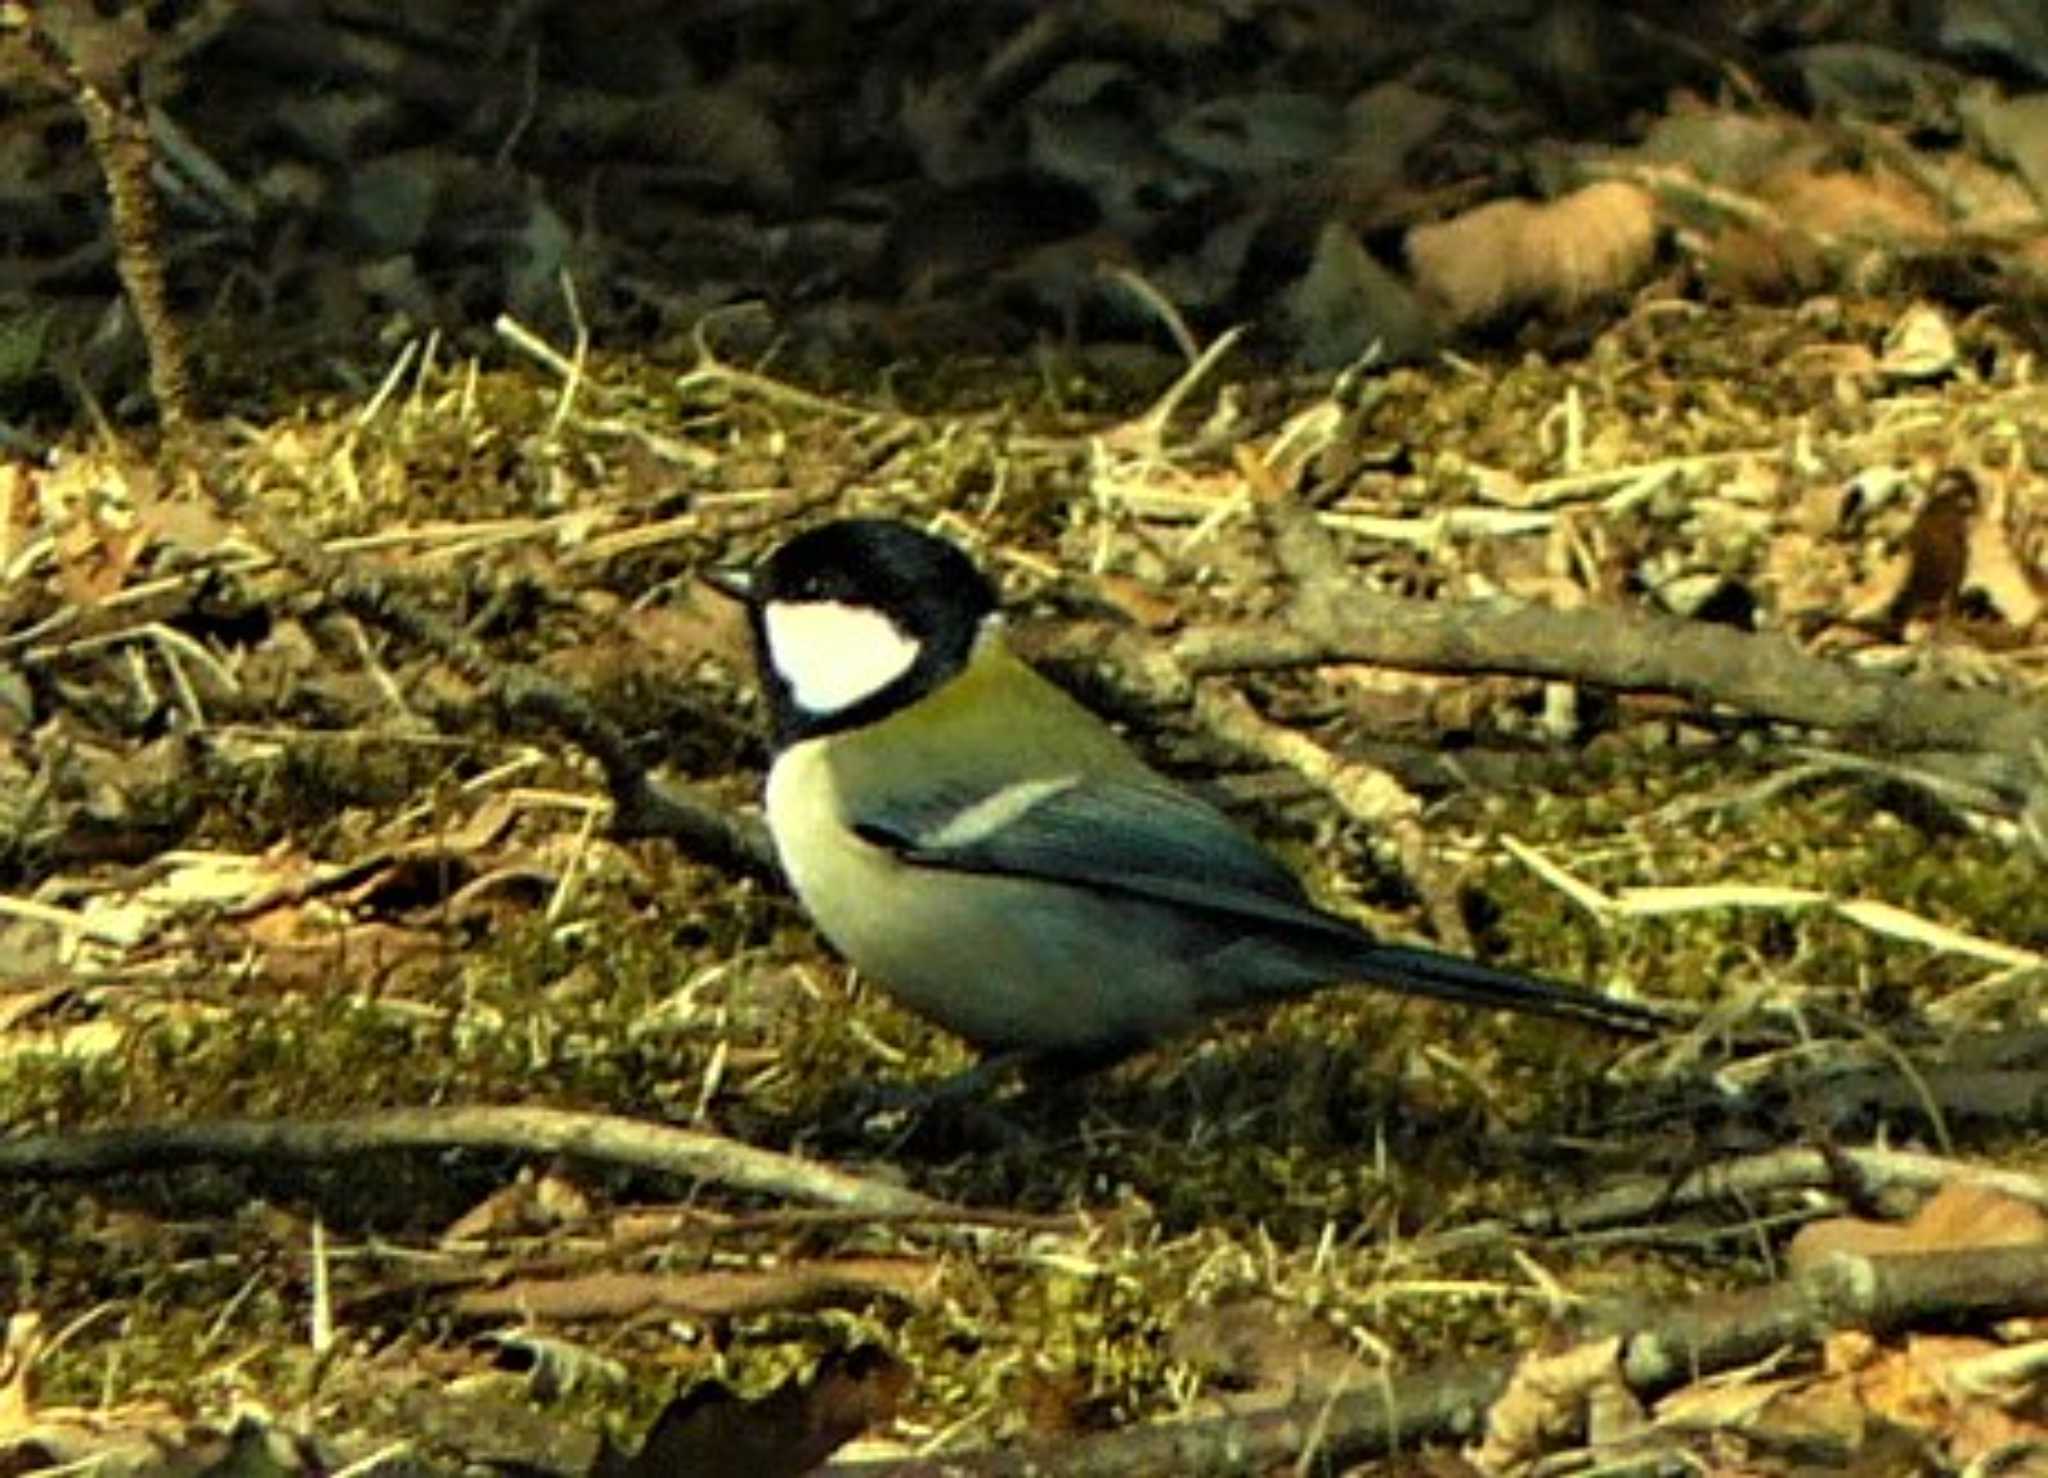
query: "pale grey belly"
1019, 963
1006, 963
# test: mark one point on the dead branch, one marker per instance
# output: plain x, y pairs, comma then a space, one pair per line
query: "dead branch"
606, 1138
95, 61
1765, 674
1844, 1290
1432, 1404
640, 807
723, 1293
1450, 1402
1863, 1174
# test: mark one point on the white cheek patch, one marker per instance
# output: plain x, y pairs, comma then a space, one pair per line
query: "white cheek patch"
833, 655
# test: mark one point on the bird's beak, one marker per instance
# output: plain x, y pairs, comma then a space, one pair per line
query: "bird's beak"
735, 582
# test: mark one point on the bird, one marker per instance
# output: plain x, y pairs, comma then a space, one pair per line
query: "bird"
997, 858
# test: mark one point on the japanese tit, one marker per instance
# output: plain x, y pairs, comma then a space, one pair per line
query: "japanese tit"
985, 848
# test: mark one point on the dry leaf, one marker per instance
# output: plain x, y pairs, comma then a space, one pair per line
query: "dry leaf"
1921, 1389
1938, 548
2015, 586
1255, 1344
531, 1203
725, 1293
1547, 1399
1822, 1418
1878, 206
1920, 346
1514, 254
1957, 1216
787, 1432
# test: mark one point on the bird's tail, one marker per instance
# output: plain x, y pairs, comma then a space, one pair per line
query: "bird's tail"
1429, 972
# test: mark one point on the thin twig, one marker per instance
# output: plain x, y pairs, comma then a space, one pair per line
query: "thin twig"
536, 1131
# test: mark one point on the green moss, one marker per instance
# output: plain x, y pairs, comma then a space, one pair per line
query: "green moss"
1303, 1156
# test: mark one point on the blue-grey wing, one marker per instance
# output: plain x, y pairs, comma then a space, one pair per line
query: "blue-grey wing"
1149, 840
1131, 835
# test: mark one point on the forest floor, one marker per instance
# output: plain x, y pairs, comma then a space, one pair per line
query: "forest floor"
373, 1100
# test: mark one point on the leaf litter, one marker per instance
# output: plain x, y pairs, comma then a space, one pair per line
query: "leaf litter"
285, 865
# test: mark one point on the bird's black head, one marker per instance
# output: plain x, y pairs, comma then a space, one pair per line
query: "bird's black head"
855, 619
